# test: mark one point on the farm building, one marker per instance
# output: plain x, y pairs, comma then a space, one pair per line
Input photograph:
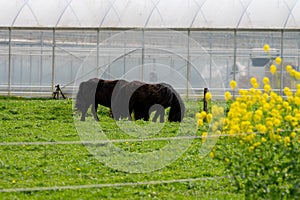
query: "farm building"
190, 44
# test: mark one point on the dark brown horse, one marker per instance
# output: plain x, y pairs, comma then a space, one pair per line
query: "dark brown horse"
141, 99
93, 92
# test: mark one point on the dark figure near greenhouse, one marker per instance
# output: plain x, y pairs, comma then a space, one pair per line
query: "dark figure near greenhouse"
141, 99
93, 92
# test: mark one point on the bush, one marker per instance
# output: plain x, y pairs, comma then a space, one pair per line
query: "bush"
261, 147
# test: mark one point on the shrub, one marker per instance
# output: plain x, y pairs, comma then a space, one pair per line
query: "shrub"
261, 150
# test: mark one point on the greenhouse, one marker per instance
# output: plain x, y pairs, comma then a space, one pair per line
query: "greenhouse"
191, 44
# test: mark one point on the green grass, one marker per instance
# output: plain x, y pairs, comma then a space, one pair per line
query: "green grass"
38, 166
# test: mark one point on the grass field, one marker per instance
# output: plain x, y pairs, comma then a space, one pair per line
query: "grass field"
41, 167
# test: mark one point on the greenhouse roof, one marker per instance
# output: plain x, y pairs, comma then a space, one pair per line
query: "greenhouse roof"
236, 14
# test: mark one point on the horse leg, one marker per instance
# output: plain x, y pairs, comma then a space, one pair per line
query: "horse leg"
160, 112
94, 111
162, 115
145, 115
130, 114
155, 116
152, 109
138, 114
83, 111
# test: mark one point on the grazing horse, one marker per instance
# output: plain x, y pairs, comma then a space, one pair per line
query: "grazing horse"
93, 92
141, 99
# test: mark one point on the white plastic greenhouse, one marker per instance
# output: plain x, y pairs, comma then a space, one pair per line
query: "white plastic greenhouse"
191, 44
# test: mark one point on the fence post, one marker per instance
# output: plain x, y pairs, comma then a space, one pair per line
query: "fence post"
205, 100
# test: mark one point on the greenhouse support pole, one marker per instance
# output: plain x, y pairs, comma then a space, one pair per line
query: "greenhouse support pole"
9, 61
53, 61
143, 54
97, 57
188, 66
41, 59
234, 58
298, 53
234, 55
210, 59
281, 66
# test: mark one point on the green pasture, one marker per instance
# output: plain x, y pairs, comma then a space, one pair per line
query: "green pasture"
23, 165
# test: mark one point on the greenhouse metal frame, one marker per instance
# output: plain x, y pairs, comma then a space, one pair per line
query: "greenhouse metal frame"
152, 44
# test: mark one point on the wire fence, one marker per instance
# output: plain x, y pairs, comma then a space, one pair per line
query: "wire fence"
124, 184
133, 140
105, 185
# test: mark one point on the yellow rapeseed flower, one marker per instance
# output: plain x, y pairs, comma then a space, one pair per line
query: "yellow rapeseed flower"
261, 128
233, 84
277, 122
287, 141
266, 80
198, 115
269, 125
266, 107
293, 134
256, 85
287, 91
203, 114
208, 96
278, 60
209, 117
273, 69
227, 96
297, 75
288, 68
267, 88
285, 104
256, 144
297, 101
211, 154
217, 110
199, 122
253, 81
266, 48
263, 139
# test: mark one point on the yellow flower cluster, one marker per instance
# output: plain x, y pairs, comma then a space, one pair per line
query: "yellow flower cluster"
258, 111
233, 84
293, 72
208, 96
227, 96
263, 112
266, 48
273, 69
202, 116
